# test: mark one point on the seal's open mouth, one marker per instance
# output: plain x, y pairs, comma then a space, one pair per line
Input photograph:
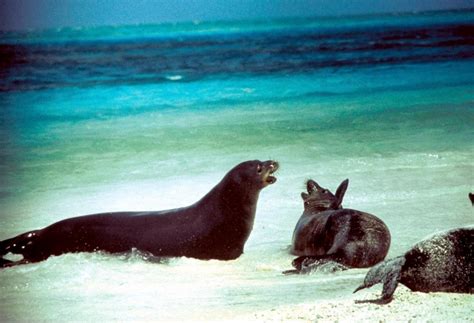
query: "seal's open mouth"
270, 168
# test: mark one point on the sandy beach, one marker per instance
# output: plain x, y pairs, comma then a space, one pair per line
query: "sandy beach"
407, 306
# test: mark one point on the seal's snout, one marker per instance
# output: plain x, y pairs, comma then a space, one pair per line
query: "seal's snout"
273, 166
270, 168
311, 186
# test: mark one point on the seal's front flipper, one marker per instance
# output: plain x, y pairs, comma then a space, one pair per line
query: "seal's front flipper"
390, 282
379, 301
302, 265
388, 273
302, 261
308, 264
291, 272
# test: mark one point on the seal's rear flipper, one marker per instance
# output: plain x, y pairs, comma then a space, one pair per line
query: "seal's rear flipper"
341, 190
20, 246
5, 263
5, 246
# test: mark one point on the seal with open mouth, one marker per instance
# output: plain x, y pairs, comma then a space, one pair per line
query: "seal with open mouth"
215, 227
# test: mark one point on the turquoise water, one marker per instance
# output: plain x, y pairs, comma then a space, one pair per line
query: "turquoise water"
151, 117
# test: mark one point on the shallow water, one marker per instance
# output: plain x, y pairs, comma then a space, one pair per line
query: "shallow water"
386, 102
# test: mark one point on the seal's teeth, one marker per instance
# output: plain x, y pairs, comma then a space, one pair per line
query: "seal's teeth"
271, 179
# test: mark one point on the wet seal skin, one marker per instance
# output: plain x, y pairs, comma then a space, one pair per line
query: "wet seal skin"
443, 262
215, 227
326, 232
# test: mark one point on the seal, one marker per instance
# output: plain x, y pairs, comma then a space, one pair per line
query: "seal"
471, 198
443, 262
326, 232
215, 227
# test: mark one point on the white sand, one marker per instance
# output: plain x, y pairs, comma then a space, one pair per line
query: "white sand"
407, 306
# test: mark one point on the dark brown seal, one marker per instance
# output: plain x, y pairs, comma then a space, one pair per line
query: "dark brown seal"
215, 227
327, 232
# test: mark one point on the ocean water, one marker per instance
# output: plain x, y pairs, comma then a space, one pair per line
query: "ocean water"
151, 117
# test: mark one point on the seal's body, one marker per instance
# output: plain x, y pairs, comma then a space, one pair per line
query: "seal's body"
215, 227
443, 262
353, 238
328, 232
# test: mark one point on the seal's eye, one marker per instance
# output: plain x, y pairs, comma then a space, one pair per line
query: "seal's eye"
259, 168
325, 191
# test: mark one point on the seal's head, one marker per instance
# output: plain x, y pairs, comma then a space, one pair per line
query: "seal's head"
255, 173
320, 199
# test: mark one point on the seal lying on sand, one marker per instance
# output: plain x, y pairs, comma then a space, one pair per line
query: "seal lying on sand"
441, 263
327, 232
215, 227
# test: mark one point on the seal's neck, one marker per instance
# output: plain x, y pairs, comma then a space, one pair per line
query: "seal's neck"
318, 208
236, 199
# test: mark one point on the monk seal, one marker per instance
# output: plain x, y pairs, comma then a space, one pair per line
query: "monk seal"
471, 198
328, 232
215, 227
443, 262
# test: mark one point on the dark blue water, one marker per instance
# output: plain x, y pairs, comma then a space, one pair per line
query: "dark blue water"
59, 61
